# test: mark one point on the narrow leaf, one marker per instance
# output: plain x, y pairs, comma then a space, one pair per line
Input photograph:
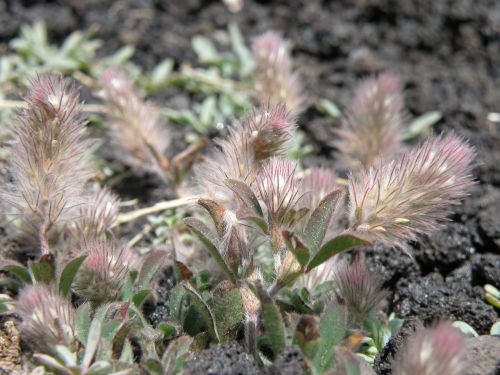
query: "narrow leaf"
68, 274
92, 342
205, 236
205, 311
83, 322
333, 247
151, 265
320, 219
139, 297
17, 269
273, 323
43, 270
422, 124
297, 247
245, 194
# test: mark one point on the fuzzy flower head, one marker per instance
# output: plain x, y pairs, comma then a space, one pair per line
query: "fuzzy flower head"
437, 350
49, 156
135, 124
316, 183
47, 318
270, 129
263, 134
400, 199
358, 288
372, 129
278, 188
97, 215
276, 82
103, 273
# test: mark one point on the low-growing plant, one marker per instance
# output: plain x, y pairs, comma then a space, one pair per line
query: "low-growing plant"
276, 234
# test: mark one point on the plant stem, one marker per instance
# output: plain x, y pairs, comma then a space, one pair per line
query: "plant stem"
160, 206
251, 337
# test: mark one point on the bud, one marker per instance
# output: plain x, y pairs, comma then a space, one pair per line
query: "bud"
47, 318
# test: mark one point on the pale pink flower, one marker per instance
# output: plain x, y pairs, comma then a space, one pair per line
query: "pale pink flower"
135, 124
276, 82
316, 183
47, 318
437, 350
372, 129
49, 161
400, 199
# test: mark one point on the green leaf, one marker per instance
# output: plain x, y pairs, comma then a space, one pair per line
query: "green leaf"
68, 274
153, 366
295, 245
169, 330
161, 72
422, 124
205, 49
332, 327
466, 329
175, 302
139, 297
43, 270
317, 225
228, 312
150, 266
17, 269
245, 194
245, 57
174, 357
120, 338
329, 108
205, 311
307, 336
93, 338
495, 329
216, 212
333, 247
273, 324
83, 322
205, 236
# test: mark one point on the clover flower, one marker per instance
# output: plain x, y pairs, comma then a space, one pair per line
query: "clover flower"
437, 350
316, 183
135, 125
276, 82
47, 318
398, 200
49, 157
278, 188
358, 288
103, 272
372, 129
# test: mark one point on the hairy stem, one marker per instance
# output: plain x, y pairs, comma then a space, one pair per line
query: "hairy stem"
251, 336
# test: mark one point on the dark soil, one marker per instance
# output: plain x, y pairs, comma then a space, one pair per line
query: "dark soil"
446, 52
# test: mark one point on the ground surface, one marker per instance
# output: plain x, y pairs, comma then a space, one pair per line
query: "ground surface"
447, 53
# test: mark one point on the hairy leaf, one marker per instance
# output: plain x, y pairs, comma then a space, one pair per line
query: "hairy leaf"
245, 194
68, 274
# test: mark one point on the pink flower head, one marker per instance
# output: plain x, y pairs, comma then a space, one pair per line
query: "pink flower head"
103, 273
316, 183
135, 124
437, 350
278, 188
270, 128
47, 318
358, 288
49, 162
400, 199
372, 129
276, 82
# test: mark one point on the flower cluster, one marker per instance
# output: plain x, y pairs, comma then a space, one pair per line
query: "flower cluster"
399, 199
372, 129
276, 82
135, 125
49, 158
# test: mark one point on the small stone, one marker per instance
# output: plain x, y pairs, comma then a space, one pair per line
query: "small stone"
483, 352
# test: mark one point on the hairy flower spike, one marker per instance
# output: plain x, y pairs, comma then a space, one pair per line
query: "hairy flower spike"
316, 183
98, 215
437, 350
276, 81
398, 200
135, 124
103, 273
264, 133
278, 188
360, 289
49, 157
47, 318
372, 129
